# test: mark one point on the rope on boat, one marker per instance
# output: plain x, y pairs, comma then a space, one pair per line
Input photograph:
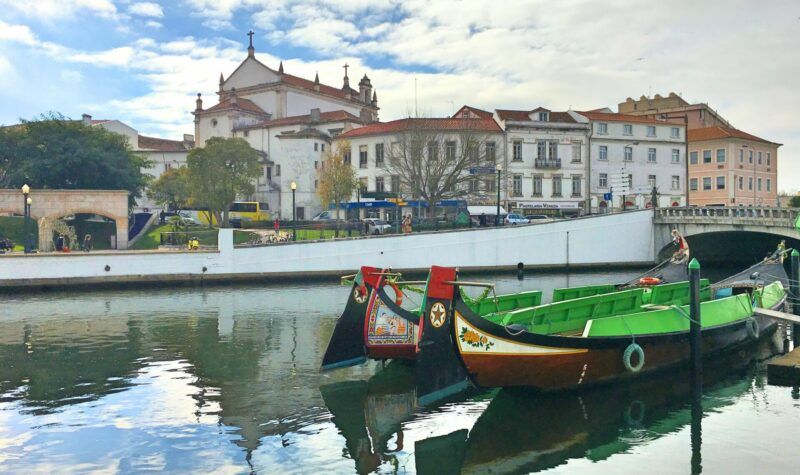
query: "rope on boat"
683, 313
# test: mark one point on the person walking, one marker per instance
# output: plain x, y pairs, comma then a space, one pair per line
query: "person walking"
407, 224
87, 243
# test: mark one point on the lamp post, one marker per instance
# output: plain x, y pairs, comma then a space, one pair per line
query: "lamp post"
26, 207
497, 214
294, 218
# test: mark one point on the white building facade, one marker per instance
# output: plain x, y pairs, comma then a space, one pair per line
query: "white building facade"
649, 152
547, 162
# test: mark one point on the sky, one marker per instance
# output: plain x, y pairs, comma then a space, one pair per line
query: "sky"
144, 62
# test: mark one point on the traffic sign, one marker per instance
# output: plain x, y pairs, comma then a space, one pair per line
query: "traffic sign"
607, 196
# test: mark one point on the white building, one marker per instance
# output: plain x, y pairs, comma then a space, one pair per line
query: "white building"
650, 152
290, 120
163, 154
547, 161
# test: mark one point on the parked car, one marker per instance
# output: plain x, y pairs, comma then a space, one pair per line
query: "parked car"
377, 226
538, 218
514, 219
325, 216
187, 219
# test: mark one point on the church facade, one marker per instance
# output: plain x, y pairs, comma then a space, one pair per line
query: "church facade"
290, 120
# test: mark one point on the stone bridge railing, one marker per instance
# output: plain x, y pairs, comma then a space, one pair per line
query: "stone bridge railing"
780, 217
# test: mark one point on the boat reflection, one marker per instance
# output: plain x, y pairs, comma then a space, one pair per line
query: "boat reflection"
522, 431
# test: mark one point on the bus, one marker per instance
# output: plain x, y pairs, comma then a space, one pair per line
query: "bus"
241, 212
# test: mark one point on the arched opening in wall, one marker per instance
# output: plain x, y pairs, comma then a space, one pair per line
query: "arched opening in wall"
731, 249
71, 231
603, 207
675, 204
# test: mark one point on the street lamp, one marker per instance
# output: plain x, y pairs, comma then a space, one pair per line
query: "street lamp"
497, 214
294, 219
26, 212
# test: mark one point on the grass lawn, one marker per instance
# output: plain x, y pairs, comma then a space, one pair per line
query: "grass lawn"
312, 234
12, 227
152, 239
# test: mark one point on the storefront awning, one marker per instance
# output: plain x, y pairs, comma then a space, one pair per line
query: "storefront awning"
487, 210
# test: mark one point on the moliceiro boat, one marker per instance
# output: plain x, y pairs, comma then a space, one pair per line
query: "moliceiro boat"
587, 340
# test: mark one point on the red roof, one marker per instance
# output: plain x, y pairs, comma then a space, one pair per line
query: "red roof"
478, 112
332, 116
718, 132
522, 116
324, 89
163, 145
445, 124
614, 117
241, 104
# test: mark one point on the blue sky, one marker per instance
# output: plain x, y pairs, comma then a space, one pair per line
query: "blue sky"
144, 62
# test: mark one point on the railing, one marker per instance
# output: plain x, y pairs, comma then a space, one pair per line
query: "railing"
782, 217
551, 163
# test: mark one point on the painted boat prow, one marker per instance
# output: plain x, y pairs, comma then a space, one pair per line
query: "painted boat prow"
439, 371
346, 346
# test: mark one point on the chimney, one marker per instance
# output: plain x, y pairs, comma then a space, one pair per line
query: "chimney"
188, 138
315, 116
86, 119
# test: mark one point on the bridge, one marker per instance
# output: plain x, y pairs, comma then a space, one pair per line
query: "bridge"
719, 231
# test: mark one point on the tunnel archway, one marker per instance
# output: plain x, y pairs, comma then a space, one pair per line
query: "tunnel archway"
734, 247
107, 231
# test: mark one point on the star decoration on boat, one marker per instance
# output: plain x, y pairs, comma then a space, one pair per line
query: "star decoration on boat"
438, 314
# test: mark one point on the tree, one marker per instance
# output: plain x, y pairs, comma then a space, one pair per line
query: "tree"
171, 189
794, 202
221, 171
432, 160
54, 152
336, 178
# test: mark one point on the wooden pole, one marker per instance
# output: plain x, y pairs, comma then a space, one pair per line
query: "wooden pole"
695, 328
794, 293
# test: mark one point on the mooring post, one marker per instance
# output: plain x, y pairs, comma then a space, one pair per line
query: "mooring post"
794, 293
695, 328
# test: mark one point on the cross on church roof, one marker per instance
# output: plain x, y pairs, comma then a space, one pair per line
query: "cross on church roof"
250, 34
345, 68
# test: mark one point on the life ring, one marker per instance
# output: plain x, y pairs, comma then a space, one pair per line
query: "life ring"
626, 358
636, 407
751, 325
398, 294
649, 281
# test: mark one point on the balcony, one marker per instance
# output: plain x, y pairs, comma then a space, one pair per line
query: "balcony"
547, 164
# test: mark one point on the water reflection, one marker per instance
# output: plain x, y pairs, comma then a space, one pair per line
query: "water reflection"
226, 380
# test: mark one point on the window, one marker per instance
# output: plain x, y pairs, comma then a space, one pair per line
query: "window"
516, 183
651, 130
651, 181
553, 149
627, 129
473, 185
557, 185
741, 183
316, 165
576, 185
277, 170
491, 152
759, 158
541, 150
676, 155
628, 154
378, 154
316, 184
537, 185
769, 157
693, 158
759, 184
720, 182
603, 182
693, 184
768, 184
395, 183
675, 132
720, 155
651, 155
379, 186
741, 156
602, 128
676, 182
346, 156
323, 147
433, 150
542, 116
316, 146
706, 156
576, 152
488, 185
301, 213
706, 183
603, 153
450, 150
362, 156
465, 115
517, 150
750, 183
363, 183
750, 156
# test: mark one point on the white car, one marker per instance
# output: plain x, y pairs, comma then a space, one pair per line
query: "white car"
187, 218
538, 218
377, 226
514, 219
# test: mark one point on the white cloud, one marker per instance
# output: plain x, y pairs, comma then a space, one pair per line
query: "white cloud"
70, 75
146, 9
19, 33
153, 24
50, 10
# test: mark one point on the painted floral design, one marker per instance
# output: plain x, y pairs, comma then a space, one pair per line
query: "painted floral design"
474, 340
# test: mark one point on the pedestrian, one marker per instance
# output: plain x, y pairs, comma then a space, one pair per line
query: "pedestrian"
277, 224
60, 243
87, 243
407, 224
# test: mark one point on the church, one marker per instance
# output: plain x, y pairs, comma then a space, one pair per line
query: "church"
290, 120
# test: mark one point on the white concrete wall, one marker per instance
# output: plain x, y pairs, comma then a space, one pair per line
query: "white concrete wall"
599, 240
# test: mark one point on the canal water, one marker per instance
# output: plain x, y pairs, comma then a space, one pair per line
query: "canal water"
226, 380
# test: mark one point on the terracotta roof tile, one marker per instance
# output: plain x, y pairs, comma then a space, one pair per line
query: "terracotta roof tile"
522, 116
163, 145
718, 132
323, 88
241, 104
479, 112
443, 124
332, 116
614, 117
